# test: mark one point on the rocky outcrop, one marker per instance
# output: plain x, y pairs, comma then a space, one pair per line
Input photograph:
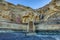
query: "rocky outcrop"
20, 14
50, 10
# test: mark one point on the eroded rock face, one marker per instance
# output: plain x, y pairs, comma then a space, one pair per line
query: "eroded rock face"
15, 13
58, 3
46, 11
54, 8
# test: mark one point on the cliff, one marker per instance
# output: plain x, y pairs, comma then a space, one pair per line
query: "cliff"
12, 16
50, 11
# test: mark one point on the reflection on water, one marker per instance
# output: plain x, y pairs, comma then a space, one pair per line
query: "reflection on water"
21, 36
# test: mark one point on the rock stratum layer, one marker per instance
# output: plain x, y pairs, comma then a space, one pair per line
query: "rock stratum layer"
18, 16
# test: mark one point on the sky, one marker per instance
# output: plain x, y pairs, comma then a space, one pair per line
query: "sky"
35, 4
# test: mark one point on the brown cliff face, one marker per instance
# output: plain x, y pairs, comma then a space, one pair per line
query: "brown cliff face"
4, 4
13, 12
47, 11
18, 13
50, 9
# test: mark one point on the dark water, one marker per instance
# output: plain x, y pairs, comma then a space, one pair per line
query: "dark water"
22, 36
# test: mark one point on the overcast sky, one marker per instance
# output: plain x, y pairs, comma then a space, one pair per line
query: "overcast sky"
31, 3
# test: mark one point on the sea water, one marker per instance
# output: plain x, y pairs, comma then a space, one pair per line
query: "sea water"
17, 35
